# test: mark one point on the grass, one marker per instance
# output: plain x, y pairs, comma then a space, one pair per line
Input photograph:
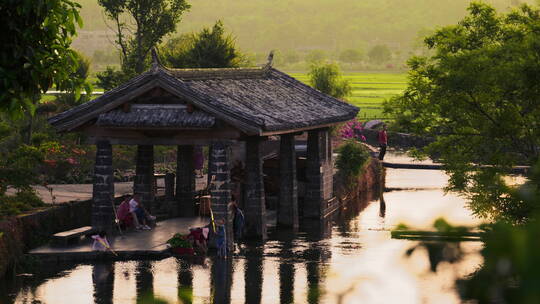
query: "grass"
369, 90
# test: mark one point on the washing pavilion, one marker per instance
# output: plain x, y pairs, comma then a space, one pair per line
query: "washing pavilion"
223, 108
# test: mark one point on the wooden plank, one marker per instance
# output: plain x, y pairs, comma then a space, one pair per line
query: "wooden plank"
74, 232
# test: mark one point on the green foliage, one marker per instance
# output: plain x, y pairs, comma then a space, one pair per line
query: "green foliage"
210, 48
35, 51
351, 159
179, 241
19, 202
149, 22
326, 77
73, 98
379, 54
478, 96
316, 57
351, 56
18, 168
111, 78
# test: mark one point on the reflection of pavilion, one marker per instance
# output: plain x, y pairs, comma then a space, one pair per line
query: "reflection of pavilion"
231, 110
298, 279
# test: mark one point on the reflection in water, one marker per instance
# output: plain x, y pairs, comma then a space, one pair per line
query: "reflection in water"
254, 274
103, 280
347, 258
185, 282
382, 209
221, 280
286, 274
144, 279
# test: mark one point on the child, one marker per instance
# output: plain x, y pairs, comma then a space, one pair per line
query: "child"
100, 242
221, 238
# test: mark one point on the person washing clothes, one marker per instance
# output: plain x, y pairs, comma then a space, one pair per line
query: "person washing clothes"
100, 242
221, 238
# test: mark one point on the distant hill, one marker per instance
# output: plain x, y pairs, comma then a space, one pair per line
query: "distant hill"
261, 25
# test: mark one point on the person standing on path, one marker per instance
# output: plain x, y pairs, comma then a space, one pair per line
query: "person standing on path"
383, 142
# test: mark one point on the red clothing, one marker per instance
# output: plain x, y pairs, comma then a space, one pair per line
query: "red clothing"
383, 138
123, 211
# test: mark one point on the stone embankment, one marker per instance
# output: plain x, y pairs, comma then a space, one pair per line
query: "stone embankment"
397, 140
21, 233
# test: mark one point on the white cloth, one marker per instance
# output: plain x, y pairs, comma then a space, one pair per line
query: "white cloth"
100, 244
133, 205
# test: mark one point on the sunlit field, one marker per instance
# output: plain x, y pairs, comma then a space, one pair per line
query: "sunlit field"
369, 90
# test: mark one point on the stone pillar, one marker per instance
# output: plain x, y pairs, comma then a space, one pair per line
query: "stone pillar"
169, 186
288, 192
221, 188
185, 180
255, 209
144, 175
319, 173
103, 189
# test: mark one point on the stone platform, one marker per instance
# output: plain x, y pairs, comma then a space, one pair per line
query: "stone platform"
145, 244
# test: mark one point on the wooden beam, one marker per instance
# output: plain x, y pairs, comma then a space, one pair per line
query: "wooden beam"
160, 141
270, 133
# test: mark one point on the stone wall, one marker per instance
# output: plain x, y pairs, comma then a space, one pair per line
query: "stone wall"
24, 232
397, 140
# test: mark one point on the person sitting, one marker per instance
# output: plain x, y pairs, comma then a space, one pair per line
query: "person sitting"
123, 215
238, 220
139, 214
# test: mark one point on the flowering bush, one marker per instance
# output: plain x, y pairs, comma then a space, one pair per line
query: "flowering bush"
353, 129
65, 163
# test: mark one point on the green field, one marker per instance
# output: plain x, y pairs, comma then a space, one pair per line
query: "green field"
369, 90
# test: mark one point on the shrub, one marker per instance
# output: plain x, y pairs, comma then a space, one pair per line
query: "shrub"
20, 202
352, 158
326, 77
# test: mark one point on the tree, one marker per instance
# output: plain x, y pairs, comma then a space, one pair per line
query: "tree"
150, 21
34, 51
379, 54
327, 78
350, 56
72, 98
316, 56
210, 48
478, 97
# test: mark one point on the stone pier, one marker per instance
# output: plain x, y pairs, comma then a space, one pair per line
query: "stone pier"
255, 209
221, 188
319, 173
288, 192
144, 175
185, 181
103, 189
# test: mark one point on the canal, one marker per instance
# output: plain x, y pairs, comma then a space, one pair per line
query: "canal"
350, 258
